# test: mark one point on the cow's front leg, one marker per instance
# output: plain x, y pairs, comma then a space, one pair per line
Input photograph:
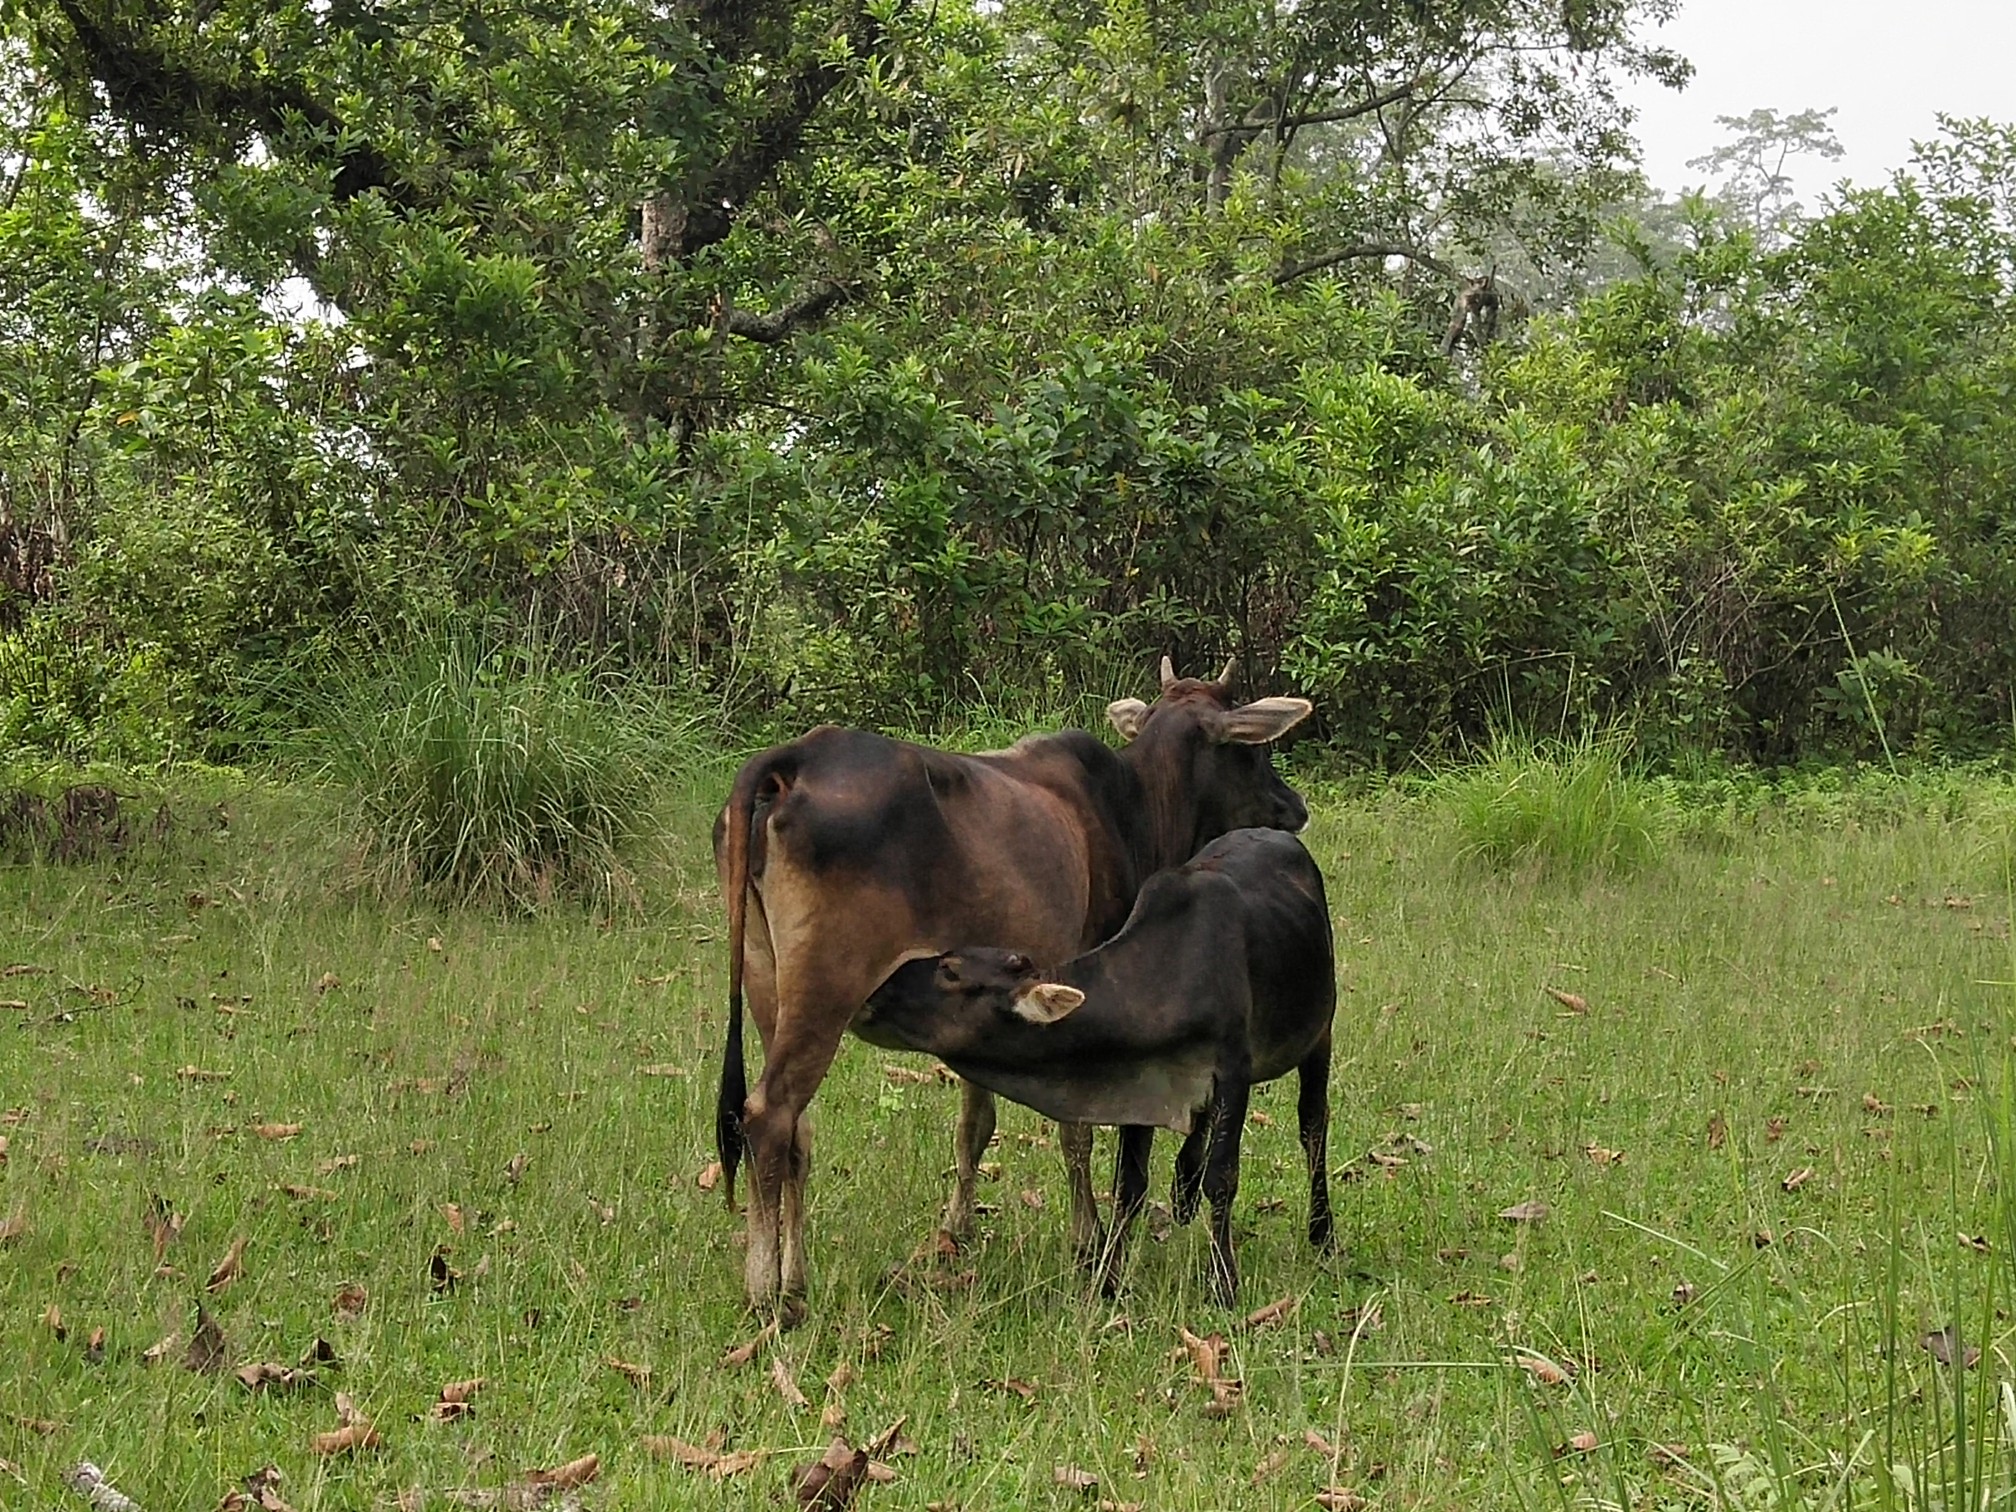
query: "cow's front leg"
1086, 1239
1221, 1185
976, 1128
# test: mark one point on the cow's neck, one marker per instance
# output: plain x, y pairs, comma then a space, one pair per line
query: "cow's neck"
1168, 834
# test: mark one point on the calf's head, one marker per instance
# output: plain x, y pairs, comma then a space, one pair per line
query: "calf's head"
1204, 760
962, 1003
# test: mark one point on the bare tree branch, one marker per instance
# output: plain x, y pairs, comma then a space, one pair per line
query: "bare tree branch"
1359, 250
1319, 117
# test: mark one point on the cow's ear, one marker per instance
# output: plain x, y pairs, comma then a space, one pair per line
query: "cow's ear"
1262, 720
1046, 1002
1126, 716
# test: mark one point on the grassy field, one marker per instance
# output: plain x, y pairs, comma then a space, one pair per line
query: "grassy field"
1768, 1111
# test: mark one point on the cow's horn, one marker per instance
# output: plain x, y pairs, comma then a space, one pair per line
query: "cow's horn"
1168, 674
1225, 677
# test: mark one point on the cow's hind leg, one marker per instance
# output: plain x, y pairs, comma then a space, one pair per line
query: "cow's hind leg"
1086, 1241
1312, 1107
976, 1127
791, 1262
1130, 1191
1188, 1186
1221, 1184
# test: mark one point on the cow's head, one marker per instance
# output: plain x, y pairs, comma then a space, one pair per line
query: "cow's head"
1201, 756
960, 1003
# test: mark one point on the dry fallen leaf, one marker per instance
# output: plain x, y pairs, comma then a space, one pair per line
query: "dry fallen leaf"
787, 1388
1071, 1478
306, 1193
1340, 1499
452, 1211
265, 1376
14, 1226
1944, 1346
742, 1354
230, 1268
829, 1482
1684, 1293
1603, 1157
89, 1482
1718, 1130
1797, 1179
1273, 1464
1274, 1312
155, 1353
1316, 1441
515, 1171
1578, 1443
336, 1163
327, 982
1526, 1212
1774, 1129
709, 1177
891, 1441
206, 1346
637, 1375
1572, 1001
276, 1130
355, 1433
1033, 1200
1669, 1456
576, 1472
457, 1400
1225, 1398
1207, 1355
1542, 1369
350, 1301
692, 1456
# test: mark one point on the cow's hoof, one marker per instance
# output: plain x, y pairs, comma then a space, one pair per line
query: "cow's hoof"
1322, 1237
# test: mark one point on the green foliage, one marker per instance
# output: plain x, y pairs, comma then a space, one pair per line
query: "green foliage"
1569, 806
489, 771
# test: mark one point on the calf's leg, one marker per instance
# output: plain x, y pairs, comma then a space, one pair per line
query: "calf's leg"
1221, 1183
1076, 1142
1188, 1186
976, 1127
1130, 1191
1312, 1108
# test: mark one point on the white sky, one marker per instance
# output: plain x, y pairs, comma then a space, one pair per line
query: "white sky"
1888, 66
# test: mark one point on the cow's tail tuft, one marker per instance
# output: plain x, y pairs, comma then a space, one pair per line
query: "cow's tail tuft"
728, 1138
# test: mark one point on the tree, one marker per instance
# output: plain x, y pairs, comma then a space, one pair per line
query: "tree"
1751, 167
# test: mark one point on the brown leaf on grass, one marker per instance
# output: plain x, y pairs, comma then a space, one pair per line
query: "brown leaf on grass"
336, 1163
1534, 1211
515, 1170
3, 1149
1272, 1465
637, 1375
742, 1354
880, 1473
829, 1482
1225, 1398
267, 1376
1669, 1456
1944, 1345
1797, 1179
1071, 1478
354, 1433
440, 1274
1875, 1107
1574, 1002
841, 1378
276, 1130
158, 1351
261, 1493
787, 1388
452, 1211
1015, 1386
1033, 1200
230, 1268
89, 1482
1684, 1292
1718, 1131
42, 1426
1582, 1442
198, 1074
301, 1193
14, 1226
349, 1301
1774, 1129
692, 1456
709, 1177
327, 982
1602, 1156
1340, 1499
576, 1472
891, 1441
457, 1401
1277, 1311
1976, 1242
665, 1069
1471, 1299
207, 1348
1542, 1369
1207, 1355
94, 1346
320, 1353
1314, 1440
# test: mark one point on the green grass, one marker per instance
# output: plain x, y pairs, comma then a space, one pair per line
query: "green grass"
1788, 971
1570, 806
484, 770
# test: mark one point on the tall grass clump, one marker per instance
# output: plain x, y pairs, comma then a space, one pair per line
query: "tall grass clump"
486, 771
1559, 805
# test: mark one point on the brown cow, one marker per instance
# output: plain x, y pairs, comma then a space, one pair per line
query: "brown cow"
844, 854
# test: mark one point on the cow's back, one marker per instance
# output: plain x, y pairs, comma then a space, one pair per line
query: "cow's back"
1290, 959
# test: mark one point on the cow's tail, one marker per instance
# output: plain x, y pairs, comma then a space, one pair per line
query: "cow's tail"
735, 882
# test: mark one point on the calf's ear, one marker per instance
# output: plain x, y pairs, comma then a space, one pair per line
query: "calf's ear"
1046, 1002
1262, 720
1126, 715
